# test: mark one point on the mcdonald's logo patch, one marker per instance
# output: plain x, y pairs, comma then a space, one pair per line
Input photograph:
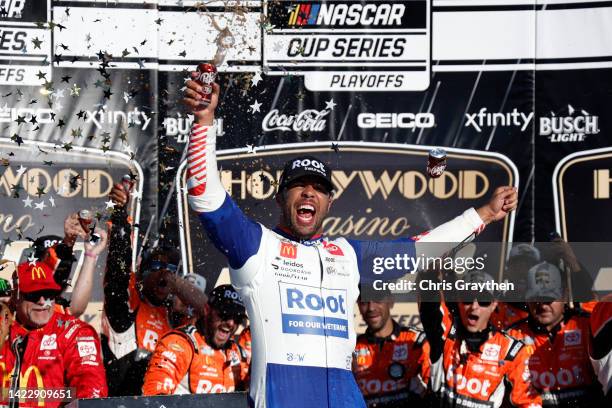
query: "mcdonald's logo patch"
38, 273
288, 250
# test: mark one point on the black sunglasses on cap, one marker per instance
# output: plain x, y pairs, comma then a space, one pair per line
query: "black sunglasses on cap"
35, 296
225, 314
482, 299
159, 265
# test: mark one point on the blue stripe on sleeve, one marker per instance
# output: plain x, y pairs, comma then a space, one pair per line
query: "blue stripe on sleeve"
233, 233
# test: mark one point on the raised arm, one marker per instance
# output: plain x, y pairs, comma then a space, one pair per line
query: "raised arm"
118, 262
82, 288
235, 235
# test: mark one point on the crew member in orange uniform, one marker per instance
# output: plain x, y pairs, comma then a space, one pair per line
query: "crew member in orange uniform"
391, 362
137, 303
202, 358
472, 362
558, 341
50, 351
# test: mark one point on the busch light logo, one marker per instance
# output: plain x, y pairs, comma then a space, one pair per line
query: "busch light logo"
312, 310
310, 120
572, 128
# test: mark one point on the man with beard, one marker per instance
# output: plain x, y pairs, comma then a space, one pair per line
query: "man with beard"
391, 362
47, 350
558, 339
472, 363
202, 358
300, 287
137, 303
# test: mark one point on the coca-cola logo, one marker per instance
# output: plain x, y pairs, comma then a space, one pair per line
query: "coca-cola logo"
310, 120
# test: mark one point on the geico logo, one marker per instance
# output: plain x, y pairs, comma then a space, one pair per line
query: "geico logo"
395, 120
580, 124
308, 163
312, 301
12, 8
471, 385
229, 294
347, 15
563, 377
92, 183
413, 184
376, 386
207, 387
11, 114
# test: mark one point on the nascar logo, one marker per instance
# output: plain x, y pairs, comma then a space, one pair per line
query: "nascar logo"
315, 311
313, 14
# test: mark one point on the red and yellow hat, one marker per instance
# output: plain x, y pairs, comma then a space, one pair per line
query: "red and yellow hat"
34, 277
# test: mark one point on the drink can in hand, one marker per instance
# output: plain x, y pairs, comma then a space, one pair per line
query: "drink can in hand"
207, 73
436, 163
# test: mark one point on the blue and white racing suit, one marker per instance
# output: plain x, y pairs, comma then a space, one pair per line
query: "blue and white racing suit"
300, 296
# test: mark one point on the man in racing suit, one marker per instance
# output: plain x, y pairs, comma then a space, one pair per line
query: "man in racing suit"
472, 362
558, 342
202, 358
137, 303
391, 362
46, 350
300, 287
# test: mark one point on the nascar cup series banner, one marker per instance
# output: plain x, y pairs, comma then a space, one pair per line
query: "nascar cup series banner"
517, 91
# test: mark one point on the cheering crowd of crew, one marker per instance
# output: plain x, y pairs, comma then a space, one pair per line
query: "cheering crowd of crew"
161, 334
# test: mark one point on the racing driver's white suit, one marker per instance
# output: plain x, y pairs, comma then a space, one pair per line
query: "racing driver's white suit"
299, 295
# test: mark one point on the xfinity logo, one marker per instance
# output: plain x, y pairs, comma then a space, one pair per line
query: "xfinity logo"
102, 116
310, 120
572, 128
483, 118
396, 120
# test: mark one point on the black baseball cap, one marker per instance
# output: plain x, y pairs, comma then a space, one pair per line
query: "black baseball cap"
225, 298
42, 244
305, 166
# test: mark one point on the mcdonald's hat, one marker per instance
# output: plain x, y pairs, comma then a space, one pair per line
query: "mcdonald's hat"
36, 277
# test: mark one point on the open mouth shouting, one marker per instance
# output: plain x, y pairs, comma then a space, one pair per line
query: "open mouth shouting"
306, 214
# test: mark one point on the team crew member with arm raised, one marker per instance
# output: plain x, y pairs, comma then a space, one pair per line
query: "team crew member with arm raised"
472, 362
137, 303
301, 321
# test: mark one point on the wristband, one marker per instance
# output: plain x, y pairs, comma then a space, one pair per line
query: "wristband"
91, 255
